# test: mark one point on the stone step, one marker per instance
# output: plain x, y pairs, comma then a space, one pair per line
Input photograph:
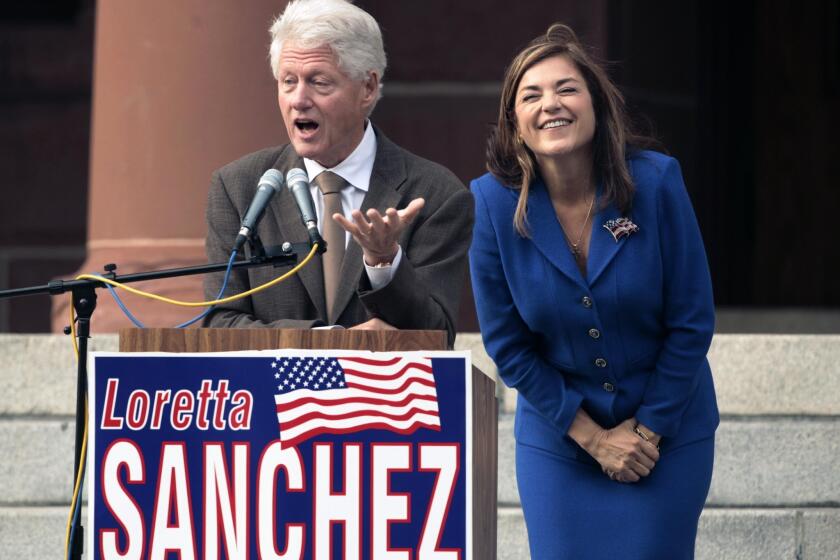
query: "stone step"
778, 462
754, 374
726, 534
723, 533
763, 462
38, 373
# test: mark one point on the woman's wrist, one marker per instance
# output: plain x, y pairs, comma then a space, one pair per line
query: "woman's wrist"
585, 431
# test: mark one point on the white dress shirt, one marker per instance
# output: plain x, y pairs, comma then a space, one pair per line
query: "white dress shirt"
356, 169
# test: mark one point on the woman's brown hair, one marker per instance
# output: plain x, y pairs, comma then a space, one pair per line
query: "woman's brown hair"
513, 163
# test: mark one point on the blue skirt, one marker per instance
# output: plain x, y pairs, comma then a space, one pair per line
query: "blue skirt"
573, 511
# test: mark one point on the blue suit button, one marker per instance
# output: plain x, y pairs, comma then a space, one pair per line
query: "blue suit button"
586, 301
601, 362
608, 387
594, 333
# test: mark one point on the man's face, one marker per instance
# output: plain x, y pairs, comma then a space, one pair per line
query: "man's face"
324, 109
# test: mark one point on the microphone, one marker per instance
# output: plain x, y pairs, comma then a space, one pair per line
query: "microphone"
270, 183
298, 183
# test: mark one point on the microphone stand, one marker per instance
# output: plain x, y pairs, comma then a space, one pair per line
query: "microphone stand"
84, 302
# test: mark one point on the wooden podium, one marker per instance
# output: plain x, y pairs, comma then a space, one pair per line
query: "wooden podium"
484, 405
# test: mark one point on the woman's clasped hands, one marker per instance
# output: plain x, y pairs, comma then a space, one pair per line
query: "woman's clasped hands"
623, 454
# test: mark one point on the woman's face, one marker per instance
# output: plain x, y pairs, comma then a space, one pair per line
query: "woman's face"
554, 113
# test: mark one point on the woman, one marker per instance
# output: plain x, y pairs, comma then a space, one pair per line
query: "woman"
595, 302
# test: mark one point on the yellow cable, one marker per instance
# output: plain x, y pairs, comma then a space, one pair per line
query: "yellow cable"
73, 328
265, 286
78, 484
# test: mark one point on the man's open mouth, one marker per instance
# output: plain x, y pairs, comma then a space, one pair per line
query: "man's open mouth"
306, 125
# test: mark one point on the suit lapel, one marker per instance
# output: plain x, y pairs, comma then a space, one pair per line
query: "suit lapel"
547, 234
284, 211
387, 176
602, 245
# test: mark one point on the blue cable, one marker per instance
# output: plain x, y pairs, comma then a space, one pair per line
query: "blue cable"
199, 317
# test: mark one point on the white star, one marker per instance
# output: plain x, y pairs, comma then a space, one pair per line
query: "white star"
273, 364
276, 376
329, 384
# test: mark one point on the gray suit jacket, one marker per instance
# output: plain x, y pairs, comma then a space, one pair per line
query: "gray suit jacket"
425, 291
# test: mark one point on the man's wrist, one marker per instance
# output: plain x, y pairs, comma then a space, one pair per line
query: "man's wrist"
383, 259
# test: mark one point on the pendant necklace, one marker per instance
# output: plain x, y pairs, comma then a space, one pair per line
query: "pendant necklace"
575, 247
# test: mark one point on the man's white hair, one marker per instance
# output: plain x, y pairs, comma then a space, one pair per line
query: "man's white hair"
351, 33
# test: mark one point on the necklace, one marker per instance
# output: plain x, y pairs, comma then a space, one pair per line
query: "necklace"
575, 247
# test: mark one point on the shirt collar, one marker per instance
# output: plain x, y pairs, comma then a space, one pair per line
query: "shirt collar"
356, 168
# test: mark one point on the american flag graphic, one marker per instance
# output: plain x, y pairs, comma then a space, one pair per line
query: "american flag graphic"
321, 394
620, 227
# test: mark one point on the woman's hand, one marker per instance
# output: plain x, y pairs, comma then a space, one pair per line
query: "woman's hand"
647, 434
622, 454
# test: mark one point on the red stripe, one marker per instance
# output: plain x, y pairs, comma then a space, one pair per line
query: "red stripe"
372, 426
326, 417
371, 362
399, 389
366, 400
388, 377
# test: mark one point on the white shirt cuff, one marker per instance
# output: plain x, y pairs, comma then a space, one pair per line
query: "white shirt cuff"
380, 276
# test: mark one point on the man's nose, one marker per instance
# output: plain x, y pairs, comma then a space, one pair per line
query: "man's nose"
300, 98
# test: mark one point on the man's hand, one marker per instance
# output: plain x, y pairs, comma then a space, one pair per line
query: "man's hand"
375, 324
376, 234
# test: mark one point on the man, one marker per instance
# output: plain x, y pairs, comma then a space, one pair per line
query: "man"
384, 268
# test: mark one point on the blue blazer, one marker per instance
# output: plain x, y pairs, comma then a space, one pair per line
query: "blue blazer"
629, 339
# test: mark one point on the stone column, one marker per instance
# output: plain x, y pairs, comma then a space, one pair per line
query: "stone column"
180, 89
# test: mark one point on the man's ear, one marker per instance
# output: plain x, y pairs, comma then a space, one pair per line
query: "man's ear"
371, 88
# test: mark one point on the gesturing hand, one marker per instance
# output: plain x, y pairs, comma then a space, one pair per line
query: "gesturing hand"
375, 324
376, 234
622, 454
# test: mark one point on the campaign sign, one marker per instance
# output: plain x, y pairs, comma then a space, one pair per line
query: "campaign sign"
284, 454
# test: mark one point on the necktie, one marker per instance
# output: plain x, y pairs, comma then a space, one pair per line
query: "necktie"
330, 185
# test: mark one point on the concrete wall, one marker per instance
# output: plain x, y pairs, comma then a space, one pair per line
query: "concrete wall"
775, 491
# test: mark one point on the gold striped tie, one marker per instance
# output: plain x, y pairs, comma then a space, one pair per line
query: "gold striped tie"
330, 185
